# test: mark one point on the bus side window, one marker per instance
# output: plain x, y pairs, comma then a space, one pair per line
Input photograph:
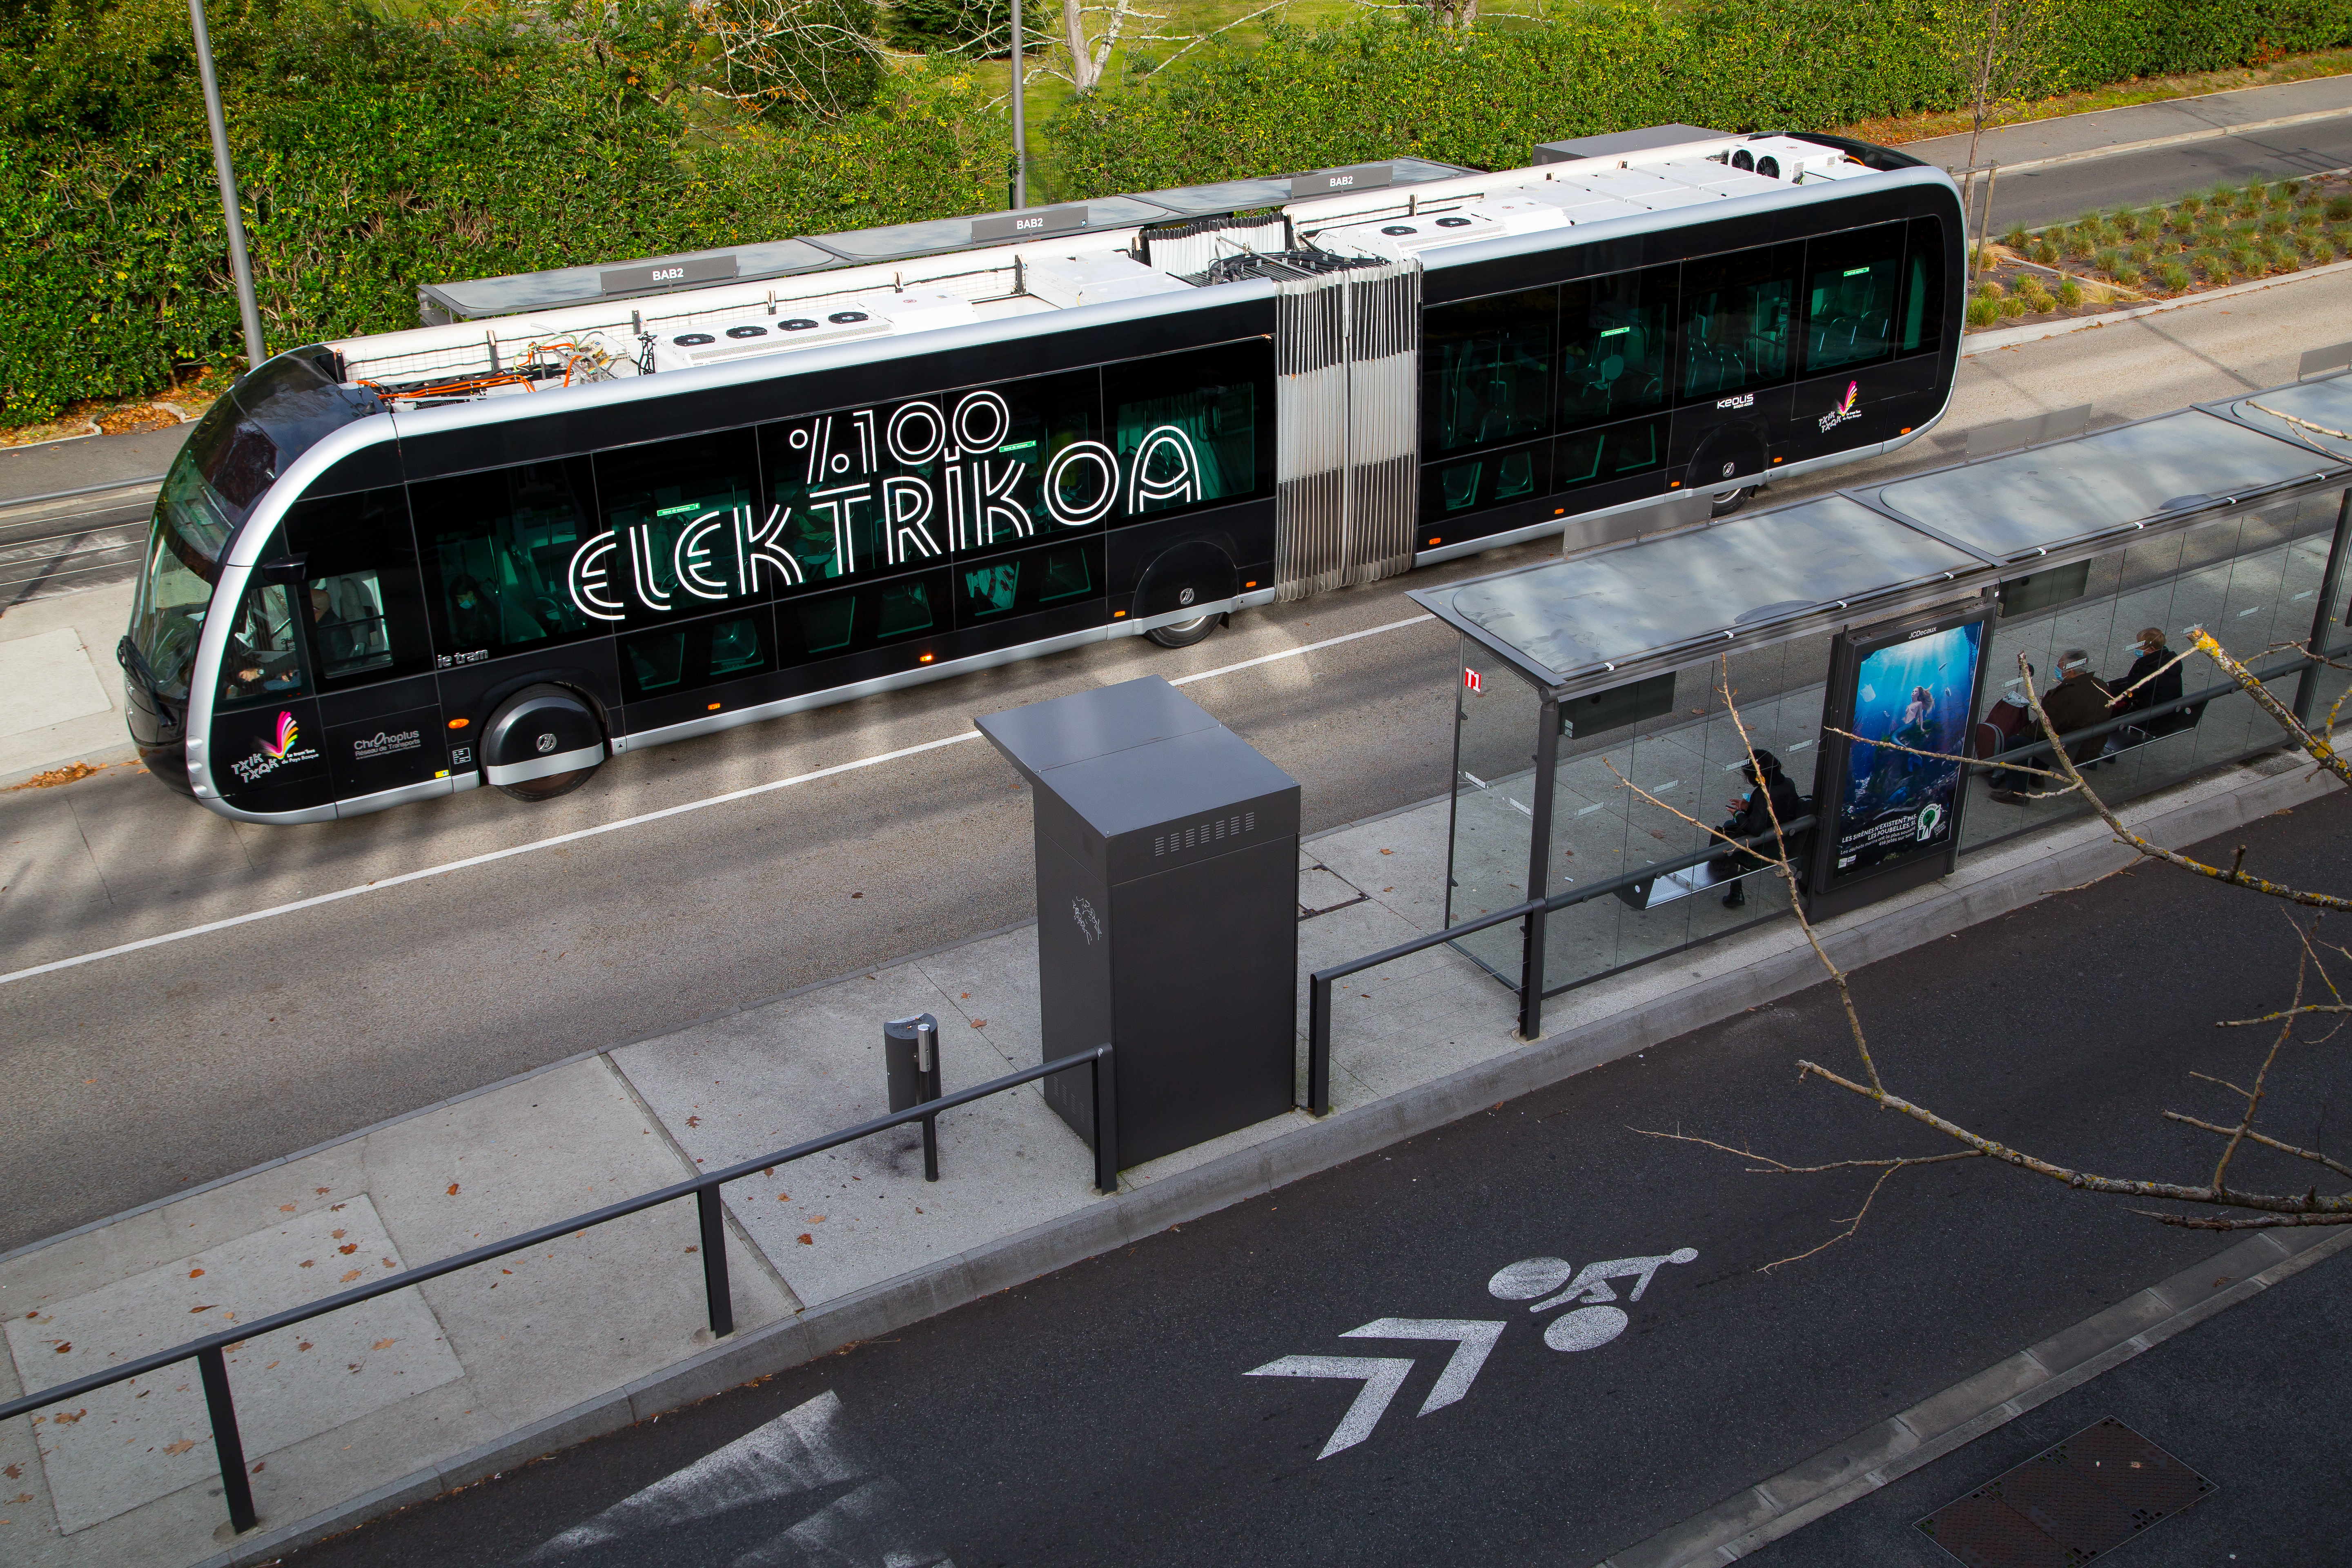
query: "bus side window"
1923, 290
512, 561
361, 595
262, 662
1192, 429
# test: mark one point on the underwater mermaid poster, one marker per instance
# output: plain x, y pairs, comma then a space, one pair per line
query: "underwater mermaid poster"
1914, 694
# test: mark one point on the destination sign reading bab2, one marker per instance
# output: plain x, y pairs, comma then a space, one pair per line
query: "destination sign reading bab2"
670, 273
878, 488
1031, 224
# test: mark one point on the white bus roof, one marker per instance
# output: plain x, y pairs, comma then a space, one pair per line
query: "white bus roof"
663, 314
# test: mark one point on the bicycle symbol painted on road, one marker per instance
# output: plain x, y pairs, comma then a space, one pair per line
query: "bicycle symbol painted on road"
1592, 1321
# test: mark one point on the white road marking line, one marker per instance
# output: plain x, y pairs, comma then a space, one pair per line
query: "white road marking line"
470, 861
1382, 1375
1473, 1341
797, 1452
1308, 647
801, 1454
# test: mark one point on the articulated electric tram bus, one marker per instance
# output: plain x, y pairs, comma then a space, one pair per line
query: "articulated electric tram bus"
589, 511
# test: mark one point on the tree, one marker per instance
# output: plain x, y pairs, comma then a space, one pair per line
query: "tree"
815, 59
2003, 51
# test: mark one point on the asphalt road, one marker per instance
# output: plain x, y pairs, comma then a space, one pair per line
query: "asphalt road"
135, 1075
1107, 1413
2059, 195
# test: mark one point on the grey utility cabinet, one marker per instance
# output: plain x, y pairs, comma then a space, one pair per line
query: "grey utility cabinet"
1167, 910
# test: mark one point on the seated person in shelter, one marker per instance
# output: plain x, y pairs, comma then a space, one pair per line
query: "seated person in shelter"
2076, 702
1772, 801
2161, 686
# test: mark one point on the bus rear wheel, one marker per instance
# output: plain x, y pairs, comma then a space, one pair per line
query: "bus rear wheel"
1730, 502
543, 741
1184, 633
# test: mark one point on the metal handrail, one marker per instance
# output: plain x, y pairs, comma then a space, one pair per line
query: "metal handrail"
210, 1352
1319, 984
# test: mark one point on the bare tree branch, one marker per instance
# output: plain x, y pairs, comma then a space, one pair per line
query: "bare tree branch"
2338, 1205
2264, 1140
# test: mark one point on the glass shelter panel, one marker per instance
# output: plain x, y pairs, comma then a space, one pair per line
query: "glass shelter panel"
2254, 580
1496, 717
1688, 756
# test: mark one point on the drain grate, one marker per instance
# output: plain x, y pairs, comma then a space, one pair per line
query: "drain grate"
2067, 1504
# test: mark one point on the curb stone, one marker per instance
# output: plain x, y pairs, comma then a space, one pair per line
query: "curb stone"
1946, 1422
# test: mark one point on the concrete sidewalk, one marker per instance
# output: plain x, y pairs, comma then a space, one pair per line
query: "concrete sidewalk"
433, 1388
2178, 122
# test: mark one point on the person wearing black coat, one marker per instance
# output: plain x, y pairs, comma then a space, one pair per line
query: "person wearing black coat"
1752, 817
2163, 685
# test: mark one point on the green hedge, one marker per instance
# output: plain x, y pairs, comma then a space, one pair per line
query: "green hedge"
373, 155
1385, 85
378, 151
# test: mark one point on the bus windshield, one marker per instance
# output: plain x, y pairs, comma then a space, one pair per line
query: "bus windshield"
183, 550
231, 458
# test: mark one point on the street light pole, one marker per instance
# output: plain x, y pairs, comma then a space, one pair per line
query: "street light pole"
239, 267
1020, 136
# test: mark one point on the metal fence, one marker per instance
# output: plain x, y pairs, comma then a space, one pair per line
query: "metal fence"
210, 1353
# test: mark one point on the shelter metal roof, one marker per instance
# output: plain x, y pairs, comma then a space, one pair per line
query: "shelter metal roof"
1594, 619
2026, 504
2327, 404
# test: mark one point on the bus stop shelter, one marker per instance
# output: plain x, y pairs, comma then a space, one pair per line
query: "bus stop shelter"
1897, 611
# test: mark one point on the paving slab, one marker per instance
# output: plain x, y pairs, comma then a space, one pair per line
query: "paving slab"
60, 693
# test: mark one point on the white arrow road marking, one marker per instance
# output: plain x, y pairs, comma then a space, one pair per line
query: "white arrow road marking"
805, 1452
1473, 1342
1382, 1375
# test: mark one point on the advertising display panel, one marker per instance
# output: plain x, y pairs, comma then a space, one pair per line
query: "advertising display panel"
1904, 688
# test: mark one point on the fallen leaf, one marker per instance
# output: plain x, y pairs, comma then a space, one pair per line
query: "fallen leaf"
818, 1219
308, 1263
347, 1249
182, 1447
980, 1023
1388, 851
63, 1346
320, 1191
340, 1233
965, 998
694, 1249
303, 1346
13, 1472
388, 1263
334, 1208
386, 1344
807, 1240
693, 1121
258, 1468
857, 895
195, 1273
285, 1208
349, 1277
453, 1189
19, 1498
65, 1419
783, 1198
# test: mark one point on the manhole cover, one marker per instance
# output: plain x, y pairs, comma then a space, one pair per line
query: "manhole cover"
2067, 1504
